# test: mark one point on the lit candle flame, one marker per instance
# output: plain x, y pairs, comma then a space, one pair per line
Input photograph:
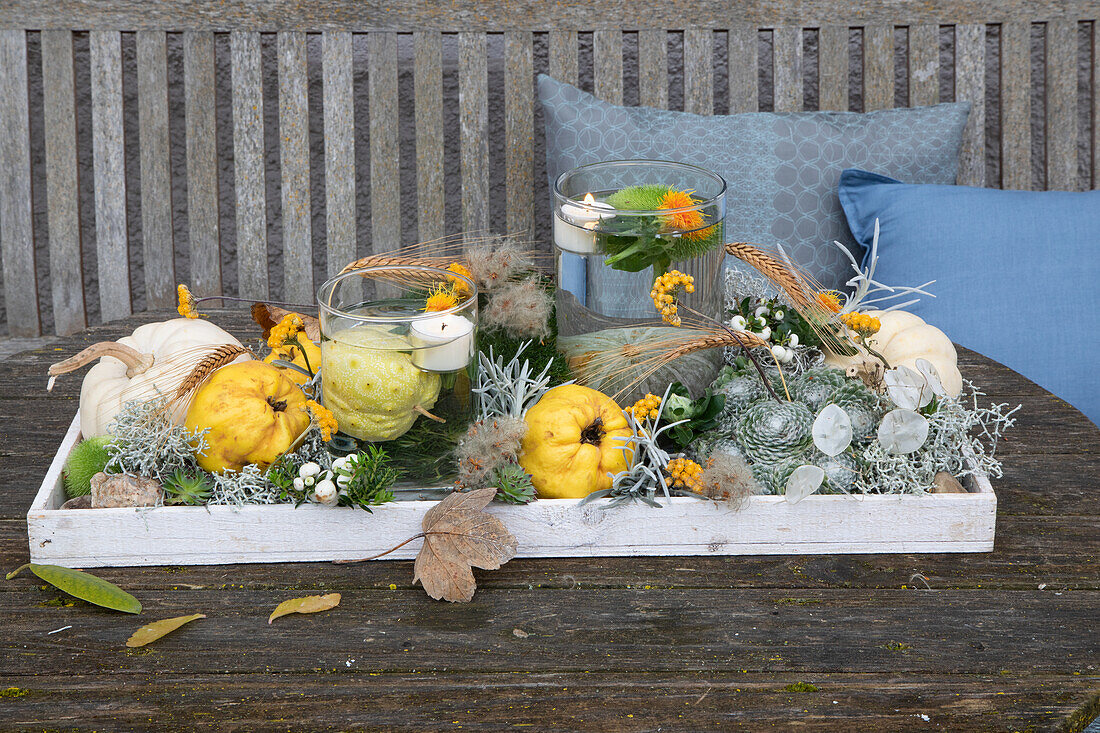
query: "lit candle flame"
589, 198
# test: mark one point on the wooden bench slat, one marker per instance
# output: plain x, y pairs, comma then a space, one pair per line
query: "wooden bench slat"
108, 166
158, 249
699, 71
563, 56
607, 52
970, 87
504, 15
428, 74
473, 80
339, 114
1016, 105
832, 67
202, 164
519, 130
743, 69
1061, 108
1096, 103
62, 190
787, 62
248, 164
294, 167
653, 68
16, 232
385, 168
924, 64
878, 67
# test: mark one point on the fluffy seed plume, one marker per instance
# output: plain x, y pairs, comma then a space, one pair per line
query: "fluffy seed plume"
497, 260
728, 478
522, 309
488, 445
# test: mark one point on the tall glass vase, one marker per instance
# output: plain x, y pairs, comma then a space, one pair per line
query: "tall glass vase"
620, 224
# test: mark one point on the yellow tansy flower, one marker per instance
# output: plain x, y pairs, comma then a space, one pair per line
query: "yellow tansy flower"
324, 419
685, 474
664, 294
285, 330
186, 307
460, 286
647, 407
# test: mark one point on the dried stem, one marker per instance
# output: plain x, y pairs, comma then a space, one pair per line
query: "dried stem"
385, 552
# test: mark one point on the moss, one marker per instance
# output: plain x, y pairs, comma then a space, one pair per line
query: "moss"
12, 692
896, 646
796, 601
800, 687
57, 603
539, 353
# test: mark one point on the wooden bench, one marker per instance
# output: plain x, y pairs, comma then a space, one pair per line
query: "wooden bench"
1029, 67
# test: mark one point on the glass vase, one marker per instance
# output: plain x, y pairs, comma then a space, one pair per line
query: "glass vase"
620, 224
398, 361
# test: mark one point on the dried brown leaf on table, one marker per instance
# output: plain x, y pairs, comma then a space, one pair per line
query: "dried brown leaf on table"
151, 632
266, 316
458, 535
309, 604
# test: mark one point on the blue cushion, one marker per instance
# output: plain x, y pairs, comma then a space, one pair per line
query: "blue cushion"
1017, 272
781, 169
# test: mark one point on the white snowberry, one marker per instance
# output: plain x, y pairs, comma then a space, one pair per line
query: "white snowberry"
325, 492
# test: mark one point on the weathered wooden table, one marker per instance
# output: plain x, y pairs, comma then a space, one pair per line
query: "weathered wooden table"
1000, 641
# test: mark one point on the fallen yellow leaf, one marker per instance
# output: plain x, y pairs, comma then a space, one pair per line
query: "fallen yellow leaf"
309, 604
151, 632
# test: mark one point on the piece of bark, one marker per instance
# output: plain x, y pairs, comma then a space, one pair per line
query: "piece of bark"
78, 502
122, 490
945, 483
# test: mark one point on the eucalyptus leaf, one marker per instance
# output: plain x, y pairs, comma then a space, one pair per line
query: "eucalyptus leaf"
907, 388
804, 481
151, 632
84, 586
832, 430
309, 604
902, 431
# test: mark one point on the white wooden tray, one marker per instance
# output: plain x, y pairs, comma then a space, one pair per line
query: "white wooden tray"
767, 525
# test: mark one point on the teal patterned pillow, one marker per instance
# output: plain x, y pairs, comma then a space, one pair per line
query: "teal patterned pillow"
782, 169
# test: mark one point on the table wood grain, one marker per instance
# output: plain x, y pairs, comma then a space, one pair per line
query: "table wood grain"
1001, 641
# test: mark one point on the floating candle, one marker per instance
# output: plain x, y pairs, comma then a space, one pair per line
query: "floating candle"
575, 224
442, 344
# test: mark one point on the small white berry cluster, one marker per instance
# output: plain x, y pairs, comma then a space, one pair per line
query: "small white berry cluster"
322, 484
758, 324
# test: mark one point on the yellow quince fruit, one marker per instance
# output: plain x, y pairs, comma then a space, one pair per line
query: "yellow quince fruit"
254, 414
570, 448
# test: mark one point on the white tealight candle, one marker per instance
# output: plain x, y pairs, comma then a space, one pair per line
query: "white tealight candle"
442, 344
575, 224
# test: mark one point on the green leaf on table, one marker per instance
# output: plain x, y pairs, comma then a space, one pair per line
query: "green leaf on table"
309, 604
151, 632
84, 586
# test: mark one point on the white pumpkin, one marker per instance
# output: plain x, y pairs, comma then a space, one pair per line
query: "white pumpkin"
904, 338
152, 361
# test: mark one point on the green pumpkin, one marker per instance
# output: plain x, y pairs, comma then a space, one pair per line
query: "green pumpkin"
607, 361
